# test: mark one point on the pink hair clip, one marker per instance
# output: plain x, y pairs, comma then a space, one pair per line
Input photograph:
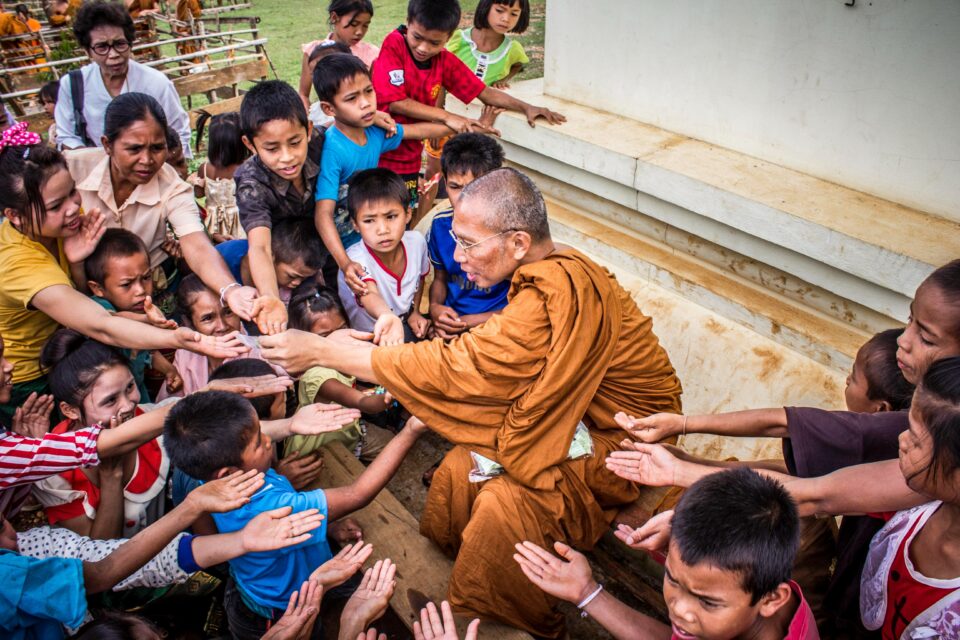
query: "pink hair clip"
18, 136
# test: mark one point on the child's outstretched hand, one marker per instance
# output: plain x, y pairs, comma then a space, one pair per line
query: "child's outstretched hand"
371, 598
649, 464
552, 117
270, 314
653, 536
228, 346
353, 275
568, 577
653, 428
173, 380
301, 469
297, 621
32, 418
375, 402
155, 316
79, 246
227, 493
433, 626
488, 116
388, 330
279, 528
340, 567
383, 120
252, 386
419, 324
314, 419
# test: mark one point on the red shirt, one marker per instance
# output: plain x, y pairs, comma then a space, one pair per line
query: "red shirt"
398, 76
24, 460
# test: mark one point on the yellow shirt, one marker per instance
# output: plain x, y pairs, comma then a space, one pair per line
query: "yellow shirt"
166, 199
27, 268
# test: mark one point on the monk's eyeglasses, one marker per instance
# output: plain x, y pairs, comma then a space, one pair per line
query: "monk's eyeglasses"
466, 247
103, 48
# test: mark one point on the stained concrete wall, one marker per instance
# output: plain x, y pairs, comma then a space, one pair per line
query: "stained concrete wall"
865, 96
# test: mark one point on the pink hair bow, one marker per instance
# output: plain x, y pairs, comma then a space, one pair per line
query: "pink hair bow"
18, 136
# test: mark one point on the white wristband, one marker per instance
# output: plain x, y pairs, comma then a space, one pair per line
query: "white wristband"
223, 291
590, 598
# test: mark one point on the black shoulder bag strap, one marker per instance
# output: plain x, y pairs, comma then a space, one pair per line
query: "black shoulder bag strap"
76, 94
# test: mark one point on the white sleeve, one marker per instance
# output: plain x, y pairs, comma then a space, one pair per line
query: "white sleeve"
177, 118
63, 116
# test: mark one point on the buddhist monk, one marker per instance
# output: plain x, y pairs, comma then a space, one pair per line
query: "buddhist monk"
570, 346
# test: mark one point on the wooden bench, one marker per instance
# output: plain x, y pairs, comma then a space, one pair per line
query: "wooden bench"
422, 570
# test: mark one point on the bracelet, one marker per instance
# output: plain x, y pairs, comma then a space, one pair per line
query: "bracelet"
223, 291
586, 601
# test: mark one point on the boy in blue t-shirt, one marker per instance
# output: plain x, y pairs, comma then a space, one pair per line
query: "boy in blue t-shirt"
456, 303
346, 93
211, 434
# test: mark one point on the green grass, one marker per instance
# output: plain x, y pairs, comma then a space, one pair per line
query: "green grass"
289, 23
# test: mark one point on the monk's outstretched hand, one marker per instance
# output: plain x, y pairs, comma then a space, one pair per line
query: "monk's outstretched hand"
291, 350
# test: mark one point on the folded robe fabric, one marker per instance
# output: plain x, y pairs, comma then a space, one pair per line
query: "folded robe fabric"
570, 345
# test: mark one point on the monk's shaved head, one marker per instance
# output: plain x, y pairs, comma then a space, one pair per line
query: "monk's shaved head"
513, 203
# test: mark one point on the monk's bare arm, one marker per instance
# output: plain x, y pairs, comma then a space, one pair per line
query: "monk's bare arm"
297, 351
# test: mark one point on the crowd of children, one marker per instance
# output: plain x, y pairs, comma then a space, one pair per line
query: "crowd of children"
146, 441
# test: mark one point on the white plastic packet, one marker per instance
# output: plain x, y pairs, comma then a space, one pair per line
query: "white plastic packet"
484, 468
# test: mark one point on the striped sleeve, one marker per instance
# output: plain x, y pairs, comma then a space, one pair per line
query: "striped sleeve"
24, 460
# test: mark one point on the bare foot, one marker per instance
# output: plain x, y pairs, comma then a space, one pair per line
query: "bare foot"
345, 531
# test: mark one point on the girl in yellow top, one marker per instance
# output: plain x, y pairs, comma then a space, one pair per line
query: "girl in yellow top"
44, 236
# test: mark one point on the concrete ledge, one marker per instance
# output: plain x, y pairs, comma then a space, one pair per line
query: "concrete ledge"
870, 251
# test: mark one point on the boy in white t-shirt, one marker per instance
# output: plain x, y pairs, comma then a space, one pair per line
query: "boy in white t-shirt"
395, 260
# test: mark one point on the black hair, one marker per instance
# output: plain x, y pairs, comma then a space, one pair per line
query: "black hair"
115, 625
331, 71
208, 431
885, 381
947, 280
328, 47
248, 368
480, 15
100, 14
115, 243
74, 362
758, 534
310, 298
22, 8
129, 108
473, 152
375, 185
50, 91
189, 287
173, 141
23, 172
937, 402
344, 8
434, 15
270, 100
225, 146
296, 238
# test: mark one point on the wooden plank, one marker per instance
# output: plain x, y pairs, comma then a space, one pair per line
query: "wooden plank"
422, 570
216, 108
216, 78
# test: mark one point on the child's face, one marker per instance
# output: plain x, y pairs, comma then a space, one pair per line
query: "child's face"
855, 392
8, 536
327, 322
351, 28
931, 333
258, 454
705, 602
282, 147
49, 106
127, 282
355, 104
62, 203
381, 224
916, 455
425, 43
291, 275
456, 181
6, 377
210, 318
113, 394
503, 18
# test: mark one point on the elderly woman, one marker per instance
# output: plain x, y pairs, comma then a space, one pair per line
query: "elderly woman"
105, 31
130, 182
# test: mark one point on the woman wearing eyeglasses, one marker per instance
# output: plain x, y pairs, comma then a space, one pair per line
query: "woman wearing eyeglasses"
105, 31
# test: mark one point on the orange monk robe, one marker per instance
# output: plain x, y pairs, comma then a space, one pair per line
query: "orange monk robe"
12, 25
185, 10
570, 345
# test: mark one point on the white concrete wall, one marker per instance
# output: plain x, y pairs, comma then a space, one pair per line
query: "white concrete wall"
866, 96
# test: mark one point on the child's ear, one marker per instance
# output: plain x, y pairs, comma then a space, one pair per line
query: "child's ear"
96, 289
69, 411
884, 406
248, 143
224, 472
773, 601
327, 109
353, 223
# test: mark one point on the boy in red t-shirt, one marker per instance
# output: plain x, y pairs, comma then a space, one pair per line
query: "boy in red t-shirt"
414, 66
